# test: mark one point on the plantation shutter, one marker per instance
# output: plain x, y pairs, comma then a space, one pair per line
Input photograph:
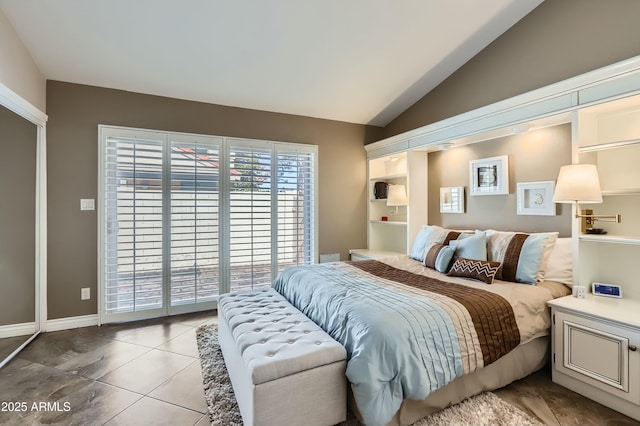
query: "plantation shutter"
184, 218
296, 207
250, 214
133, 215
194, 221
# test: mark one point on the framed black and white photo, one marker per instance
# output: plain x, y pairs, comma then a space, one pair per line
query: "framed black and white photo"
536, 198
452, 199
489, 176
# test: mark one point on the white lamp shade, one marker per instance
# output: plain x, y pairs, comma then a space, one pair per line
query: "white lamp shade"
578, 183
397, 195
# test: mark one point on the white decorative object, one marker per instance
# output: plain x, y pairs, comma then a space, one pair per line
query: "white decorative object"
489, 176
536, 198
452, 199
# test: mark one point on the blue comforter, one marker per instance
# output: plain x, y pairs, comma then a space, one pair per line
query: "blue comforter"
399, 347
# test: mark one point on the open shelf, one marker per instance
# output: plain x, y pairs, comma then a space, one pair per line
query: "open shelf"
628, 191
389, 222
606, 238
389, 177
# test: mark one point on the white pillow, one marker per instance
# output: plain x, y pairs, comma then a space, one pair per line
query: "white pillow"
560, 262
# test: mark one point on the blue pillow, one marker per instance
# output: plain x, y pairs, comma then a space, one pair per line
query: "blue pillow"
473, 246
438, 257
417, 251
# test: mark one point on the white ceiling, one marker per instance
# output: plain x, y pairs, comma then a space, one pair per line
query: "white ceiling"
360, 61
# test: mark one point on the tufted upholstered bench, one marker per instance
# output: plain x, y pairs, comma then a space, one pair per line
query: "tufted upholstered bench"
285, 370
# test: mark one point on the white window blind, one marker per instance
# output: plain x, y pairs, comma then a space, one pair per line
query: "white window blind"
296, 208
133, 207
250, 215
186, 217
195, 200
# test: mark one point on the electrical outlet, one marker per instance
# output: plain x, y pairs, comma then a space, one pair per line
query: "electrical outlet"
85, 293
579, 291
333, 257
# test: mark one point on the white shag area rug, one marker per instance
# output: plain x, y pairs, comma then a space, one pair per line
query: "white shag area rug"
484, 409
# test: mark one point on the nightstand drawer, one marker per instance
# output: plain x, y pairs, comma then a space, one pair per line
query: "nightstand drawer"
599, 354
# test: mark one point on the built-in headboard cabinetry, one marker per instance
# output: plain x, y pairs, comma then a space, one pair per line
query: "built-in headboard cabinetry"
603, 110
608, 135
595, 339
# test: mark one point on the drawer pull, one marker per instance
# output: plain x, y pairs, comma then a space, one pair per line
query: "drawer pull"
633, 348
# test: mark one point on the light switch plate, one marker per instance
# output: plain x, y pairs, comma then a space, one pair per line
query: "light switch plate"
85, 293
87, 204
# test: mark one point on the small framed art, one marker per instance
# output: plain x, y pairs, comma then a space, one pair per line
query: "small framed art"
489, 176
452, 199
536, 198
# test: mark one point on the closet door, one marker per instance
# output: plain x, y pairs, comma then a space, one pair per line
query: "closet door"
18, 141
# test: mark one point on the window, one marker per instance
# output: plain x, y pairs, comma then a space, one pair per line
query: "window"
184, 218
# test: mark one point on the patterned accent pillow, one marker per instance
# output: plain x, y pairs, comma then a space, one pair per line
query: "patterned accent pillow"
480, 270
438, 257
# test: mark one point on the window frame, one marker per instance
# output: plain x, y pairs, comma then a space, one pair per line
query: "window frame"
105, 131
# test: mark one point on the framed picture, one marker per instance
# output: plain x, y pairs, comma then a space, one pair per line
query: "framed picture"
536, 198
452, 199
489, 176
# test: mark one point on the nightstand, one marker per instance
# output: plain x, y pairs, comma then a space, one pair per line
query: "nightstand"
366, 254
595, 349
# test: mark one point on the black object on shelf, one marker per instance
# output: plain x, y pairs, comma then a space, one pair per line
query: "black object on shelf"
596, 231
380, 190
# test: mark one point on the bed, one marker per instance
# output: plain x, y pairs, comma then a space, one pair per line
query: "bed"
419, 338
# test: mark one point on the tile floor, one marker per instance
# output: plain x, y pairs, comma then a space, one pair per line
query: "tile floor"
140, 373
148, 373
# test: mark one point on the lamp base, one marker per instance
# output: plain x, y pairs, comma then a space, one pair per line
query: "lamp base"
587, 220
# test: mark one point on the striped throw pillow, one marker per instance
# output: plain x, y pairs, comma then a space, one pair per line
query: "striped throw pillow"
438, 257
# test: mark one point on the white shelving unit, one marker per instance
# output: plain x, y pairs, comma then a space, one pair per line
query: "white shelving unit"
608, 135
395, 235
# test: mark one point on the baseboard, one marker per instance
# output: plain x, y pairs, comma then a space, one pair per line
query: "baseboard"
72, 322
14, 330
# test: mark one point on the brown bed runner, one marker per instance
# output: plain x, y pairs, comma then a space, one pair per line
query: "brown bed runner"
492, 315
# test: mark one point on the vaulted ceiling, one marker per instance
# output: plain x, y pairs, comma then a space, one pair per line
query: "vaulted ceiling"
360, 61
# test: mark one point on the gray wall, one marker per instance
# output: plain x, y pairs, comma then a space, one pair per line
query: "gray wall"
72, 160
536, 155
557, 40
17, 218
